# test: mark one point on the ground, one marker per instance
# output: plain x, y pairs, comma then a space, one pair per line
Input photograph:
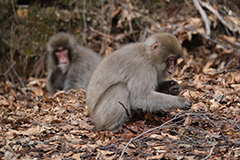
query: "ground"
37, 125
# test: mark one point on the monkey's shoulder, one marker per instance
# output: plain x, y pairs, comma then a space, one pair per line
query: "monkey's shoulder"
127, 52
86, 54
81, 50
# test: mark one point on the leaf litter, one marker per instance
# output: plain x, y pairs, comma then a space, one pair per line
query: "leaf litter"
37, 125
59, 126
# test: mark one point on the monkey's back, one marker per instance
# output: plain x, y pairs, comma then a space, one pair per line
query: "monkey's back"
116, 69
84, 64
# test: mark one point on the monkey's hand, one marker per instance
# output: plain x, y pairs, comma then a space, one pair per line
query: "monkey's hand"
175, 88
169, 87
56, 74
186, 104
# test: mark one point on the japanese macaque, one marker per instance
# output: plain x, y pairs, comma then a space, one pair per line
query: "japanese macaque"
129, 80
70, 65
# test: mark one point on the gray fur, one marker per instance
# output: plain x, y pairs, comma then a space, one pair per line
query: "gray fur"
130, 76
82, 64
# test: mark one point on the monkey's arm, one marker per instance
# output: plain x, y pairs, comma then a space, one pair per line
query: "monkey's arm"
169, 87
144, 95
77, 76
156, 101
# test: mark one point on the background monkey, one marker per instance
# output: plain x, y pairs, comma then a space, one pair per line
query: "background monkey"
70, 65
127, 80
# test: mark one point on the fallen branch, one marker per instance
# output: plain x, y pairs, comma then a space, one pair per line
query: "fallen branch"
125, 109
202, 133
14, 11
221, 19
15, 72
84, 22
6, 72
150, 130
211, 151
204, 16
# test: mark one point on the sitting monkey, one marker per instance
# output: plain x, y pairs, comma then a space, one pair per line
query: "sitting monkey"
70, 65
131, 78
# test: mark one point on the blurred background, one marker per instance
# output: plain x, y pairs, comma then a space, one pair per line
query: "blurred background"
208, 30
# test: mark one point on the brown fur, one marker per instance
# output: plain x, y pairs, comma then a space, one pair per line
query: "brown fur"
127, 79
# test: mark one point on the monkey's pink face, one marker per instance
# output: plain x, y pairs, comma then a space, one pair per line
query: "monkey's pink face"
62, 55
171, 63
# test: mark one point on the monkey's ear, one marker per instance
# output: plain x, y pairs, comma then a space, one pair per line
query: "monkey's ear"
155, 45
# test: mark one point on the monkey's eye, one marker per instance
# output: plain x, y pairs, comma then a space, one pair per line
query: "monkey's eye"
64, 49
61, 49
171, 59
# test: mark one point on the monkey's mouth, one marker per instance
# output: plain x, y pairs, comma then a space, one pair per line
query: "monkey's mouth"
168, 73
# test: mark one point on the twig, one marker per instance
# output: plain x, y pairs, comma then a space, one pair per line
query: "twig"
107, 21
77, 9
216, 41
98, 32
67, 120
84, 22
145, 34
124, 108
204, 16
14, 11
5, 73
129, 18
15, 72
190, 27
211, 9
41, 125
161, 127
211, 151
150, 130
20, 80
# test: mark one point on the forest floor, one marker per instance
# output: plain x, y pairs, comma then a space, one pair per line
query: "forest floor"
42, 126
37, 125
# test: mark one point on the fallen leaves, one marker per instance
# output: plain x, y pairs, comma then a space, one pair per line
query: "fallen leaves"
37, 125
58, 126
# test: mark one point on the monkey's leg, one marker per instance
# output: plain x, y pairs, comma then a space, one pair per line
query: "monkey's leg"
113, 109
